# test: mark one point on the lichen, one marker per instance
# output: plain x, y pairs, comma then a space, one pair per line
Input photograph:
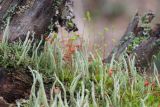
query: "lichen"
28, 4
63, 14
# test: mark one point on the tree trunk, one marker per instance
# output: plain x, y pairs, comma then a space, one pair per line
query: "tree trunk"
145, 51
35, 16
125, 40
35, 19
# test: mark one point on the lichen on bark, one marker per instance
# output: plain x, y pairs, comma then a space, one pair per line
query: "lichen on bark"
39, 16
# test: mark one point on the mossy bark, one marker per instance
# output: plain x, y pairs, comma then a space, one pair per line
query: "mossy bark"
125, 40
145, 51
35, 16
25, 17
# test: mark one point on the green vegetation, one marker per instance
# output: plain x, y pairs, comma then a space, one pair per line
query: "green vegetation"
136, 42
145, 24
80, 82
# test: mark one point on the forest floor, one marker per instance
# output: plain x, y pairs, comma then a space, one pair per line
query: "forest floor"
72, 77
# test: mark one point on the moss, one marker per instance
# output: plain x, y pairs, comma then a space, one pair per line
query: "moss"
136, 42
10, 55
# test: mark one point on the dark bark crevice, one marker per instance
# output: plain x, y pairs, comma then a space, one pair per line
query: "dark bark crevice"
14, 84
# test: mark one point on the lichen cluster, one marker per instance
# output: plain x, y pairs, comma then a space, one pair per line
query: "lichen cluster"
28, 4
64, 15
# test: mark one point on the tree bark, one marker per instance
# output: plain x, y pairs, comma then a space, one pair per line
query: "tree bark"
36, 19
147, 49
35, 16
14, 84
125, 40
7, 8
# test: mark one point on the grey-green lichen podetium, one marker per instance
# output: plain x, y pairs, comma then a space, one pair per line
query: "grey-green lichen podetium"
10, 11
